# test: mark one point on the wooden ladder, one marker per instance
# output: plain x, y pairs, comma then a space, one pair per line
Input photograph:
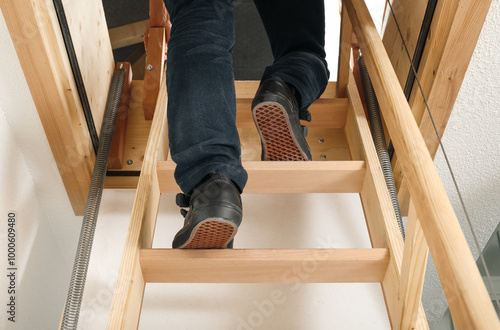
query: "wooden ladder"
351, 166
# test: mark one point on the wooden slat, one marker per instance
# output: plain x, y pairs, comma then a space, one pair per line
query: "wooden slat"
246, 89
325, 112
288, 177
153, 70
466, 294
344, 54
127, 35
118, 145
415, 255
129, 289
264, 266
37, 39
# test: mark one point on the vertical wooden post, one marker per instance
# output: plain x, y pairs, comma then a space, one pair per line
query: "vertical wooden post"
154, 70
415, 255
344, 54
117, 147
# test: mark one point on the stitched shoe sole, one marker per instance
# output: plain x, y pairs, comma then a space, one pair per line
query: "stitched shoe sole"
278, 140
211, 233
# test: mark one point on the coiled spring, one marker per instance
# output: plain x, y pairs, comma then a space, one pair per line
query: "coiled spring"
80, 266
379, 140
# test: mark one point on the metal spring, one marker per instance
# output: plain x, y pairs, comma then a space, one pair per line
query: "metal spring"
80, 266
379, 140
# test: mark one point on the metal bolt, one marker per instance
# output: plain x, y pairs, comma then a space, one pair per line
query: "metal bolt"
149, 67
130, 162
323, 156
321, 140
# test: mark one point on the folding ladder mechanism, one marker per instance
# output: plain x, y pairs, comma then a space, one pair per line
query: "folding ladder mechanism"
338, 115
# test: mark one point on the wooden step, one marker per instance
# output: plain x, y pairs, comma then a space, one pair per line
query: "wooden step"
287, 177
264, 266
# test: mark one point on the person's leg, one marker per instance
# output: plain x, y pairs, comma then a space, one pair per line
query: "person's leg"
296, 32
201, 113
201, 97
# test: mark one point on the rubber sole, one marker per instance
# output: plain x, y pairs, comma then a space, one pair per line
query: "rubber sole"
278, 140
211, 234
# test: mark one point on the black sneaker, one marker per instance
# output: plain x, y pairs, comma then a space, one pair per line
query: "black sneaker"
276, 114
215, 212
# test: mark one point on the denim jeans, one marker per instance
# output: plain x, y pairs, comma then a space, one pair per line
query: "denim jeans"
201, 109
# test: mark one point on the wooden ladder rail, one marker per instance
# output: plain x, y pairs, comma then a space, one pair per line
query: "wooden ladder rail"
469, 302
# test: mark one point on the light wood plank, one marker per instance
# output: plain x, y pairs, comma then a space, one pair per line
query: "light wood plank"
246, 89
466, 294
129, 290
410, 15
344, 54
118, 145
89, 33
153, 70
287, 177
325, 112
415, 255
36, 36
264, 266
126, 35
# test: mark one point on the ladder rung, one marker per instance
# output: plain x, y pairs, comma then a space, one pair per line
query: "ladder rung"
288, 177
264, 266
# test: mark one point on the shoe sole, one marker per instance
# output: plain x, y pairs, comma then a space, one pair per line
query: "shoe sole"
211, 234
278, 141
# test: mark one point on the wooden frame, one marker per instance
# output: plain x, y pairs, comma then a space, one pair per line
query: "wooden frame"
452, 39
467, 296
37, 38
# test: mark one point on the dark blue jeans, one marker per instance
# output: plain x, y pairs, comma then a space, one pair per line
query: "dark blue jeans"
201, 108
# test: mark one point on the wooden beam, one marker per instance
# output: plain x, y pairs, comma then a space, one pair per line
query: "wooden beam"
116, 153
454, 32
129, 289
379, 213
344, 54
37, 39
89, 33
288, 177
413, 274
153, 70
126, 35
264, 266
466, 294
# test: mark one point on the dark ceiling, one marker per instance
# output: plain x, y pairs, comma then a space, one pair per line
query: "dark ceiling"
251, 52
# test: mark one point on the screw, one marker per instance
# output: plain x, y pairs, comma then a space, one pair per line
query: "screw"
149, 67
130, 162
321, 140
322, 156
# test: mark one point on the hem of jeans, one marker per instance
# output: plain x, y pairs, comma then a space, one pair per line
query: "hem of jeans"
217, 168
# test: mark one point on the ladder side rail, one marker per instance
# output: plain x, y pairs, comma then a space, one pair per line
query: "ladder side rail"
344, 54
469, 302
415, 256
377, 206
129, 290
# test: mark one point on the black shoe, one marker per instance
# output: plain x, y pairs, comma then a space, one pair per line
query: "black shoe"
215, 212
276, 114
